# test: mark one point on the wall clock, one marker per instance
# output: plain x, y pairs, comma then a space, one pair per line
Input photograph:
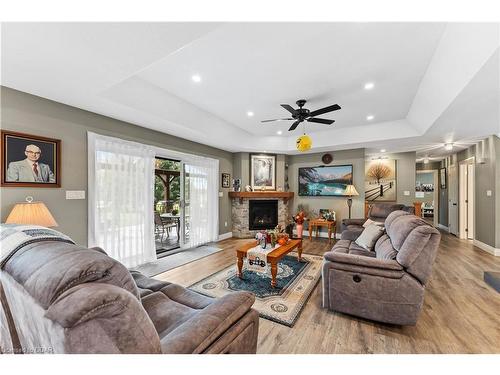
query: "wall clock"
327, 158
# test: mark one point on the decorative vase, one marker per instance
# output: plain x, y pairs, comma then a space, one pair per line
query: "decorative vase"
300, 229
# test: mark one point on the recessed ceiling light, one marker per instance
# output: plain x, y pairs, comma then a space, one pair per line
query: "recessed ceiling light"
196, 78
448, 146
369, 85
279, 132
382, 150
250, 114
370, 117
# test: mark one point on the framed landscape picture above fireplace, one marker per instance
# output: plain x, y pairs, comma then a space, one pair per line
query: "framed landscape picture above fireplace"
325, 180
263, 172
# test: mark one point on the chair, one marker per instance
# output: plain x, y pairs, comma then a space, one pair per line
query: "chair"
387, 284
160, 227
65, 298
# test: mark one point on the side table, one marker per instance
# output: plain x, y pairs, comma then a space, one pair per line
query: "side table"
317, 223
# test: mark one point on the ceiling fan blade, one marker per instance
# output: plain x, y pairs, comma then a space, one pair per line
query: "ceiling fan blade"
294, 125
321, 121
289, 108
278, 119
331, 108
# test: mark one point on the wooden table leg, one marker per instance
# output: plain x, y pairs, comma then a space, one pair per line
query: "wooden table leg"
274, 272
299, 252
310, 232
329, 233
240, 266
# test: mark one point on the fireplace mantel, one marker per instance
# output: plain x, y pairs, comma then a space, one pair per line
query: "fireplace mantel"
285, 195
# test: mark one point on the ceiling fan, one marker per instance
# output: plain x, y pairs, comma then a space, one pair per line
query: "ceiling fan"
302, 114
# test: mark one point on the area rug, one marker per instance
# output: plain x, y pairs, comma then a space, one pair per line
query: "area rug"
283, 304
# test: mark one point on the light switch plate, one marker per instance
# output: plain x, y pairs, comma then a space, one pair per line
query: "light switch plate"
406, 192
75, 194
221, 193
488, 193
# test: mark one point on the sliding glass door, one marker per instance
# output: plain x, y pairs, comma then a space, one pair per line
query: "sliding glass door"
186, 202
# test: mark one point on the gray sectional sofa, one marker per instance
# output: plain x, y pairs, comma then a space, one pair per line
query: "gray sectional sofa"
62, 298
387, 284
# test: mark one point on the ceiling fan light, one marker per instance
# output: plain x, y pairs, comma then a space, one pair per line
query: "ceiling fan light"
426, 160
304, 143
448, 146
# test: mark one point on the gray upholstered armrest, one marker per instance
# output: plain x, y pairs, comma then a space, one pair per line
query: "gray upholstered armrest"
200, 331
353, 222
363, 261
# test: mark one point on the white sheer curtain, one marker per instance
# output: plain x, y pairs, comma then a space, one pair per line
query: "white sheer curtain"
121, 200
201, 200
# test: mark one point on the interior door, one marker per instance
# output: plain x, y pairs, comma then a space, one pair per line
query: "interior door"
453, 199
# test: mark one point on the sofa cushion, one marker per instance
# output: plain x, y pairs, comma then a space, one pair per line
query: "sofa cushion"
384, 248
369, 236
399, 225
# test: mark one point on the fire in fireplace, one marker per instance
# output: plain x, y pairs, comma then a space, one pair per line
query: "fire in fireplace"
263, 214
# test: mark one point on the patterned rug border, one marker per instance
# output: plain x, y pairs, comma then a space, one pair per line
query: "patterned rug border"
300, 305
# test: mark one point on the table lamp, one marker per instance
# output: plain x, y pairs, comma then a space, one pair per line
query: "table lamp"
31, 213
350, 191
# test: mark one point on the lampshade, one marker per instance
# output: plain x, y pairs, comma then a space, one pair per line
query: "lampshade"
31, 213
350, 190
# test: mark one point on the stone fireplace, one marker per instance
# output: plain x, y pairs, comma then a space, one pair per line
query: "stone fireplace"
254, 211
262, 214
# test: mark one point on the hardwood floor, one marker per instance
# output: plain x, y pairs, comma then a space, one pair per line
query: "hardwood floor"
461, 313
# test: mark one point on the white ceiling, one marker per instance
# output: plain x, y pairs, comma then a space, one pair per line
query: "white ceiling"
431, 80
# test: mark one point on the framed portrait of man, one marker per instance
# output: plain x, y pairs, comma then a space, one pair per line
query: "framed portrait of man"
263, 172
30, 160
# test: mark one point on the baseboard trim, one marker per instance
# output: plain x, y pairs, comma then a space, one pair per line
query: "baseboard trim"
225, 236
443, 227
489, 249
323, 234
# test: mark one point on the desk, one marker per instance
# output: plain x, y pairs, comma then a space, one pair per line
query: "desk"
316, 223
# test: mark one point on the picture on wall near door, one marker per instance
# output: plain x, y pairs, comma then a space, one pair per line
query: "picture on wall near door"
263, 172
380, 180
30, 160
226, 180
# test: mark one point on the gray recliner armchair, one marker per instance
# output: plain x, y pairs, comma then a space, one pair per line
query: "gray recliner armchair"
352, 228
387, 284
57, 297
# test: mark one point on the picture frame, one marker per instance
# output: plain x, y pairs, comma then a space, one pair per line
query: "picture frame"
442, 177
226, 180
29, 160
263, 172
324, 181
381, 180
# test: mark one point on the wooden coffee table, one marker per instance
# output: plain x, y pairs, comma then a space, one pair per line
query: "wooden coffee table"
273, 257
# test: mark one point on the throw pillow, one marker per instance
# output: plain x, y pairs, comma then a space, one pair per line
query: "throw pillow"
369, 236
370, 222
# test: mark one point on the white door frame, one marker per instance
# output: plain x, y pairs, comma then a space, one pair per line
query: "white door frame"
453, 198
466, 192
435, 194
